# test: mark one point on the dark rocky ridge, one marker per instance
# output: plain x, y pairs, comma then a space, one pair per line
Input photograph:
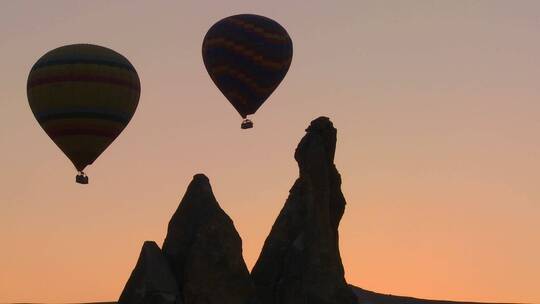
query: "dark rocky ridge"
370, 297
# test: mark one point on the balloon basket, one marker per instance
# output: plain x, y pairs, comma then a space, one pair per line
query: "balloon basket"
81, 178
246, 124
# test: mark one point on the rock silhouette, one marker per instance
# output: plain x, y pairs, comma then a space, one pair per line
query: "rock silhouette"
205, 250
201, 261
300, 261
151, 281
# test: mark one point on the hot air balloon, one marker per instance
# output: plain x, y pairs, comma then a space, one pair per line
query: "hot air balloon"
247, 56
83, 96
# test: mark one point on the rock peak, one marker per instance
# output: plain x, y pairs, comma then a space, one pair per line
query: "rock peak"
320, 135
320, 123
199, 187
200, 177
148, 247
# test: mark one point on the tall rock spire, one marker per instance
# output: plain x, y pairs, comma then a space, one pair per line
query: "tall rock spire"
300, 261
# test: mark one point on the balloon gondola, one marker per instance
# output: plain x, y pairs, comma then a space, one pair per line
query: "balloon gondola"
83, 96
247, 56
246, 124
81, 178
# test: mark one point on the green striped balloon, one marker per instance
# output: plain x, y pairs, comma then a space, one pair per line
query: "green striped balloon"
83, 96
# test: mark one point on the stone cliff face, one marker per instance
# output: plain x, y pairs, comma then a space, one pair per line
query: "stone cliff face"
201, 260
300, 261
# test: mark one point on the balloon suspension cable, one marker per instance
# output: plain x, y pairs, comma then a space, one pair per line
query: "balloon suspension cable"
81, 178
246, 124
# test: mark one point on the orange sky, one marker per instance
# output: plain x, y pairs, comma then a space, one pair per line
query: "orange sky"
437, 107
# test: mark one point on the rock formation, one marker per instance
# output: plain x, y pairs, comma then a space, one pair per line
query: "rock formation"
201, 261
300, 261
205, 250
151, 281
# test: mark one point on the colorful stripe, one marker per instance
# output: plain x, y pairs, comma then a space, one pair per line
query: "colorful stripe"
261, 31
83, 78
252, 55
47, 63
240, 76
45, 117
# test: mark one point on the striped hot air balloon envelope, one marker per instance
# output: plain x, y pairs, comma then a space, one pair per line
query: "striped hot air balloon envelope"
247, 56
83, 96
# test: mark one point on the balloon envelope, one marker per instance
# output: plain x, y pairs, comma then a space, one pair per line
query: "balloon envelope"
83, 96
247, 56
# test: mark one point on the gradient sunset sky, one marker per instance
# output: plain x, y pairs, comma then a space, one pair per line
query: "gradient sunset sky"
437, 106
